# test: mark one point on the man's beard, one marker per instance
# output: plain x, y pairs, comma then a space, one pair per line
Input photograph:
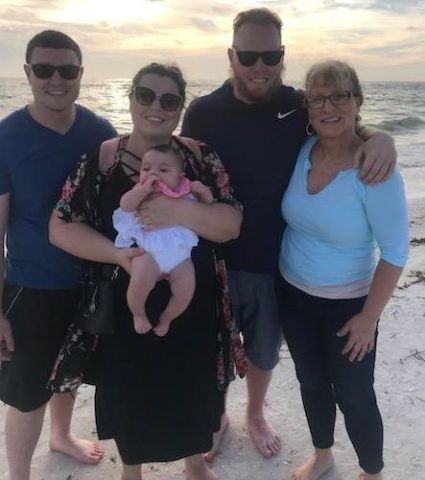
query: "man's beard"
252, 97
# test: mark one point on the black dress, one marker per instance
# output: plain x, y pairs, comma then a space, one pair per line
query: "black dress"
158, 397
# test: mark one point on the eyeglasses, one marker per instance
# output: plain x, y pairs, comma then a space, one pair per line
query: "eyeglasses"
249, 58
168, 101
45, 70
336, 98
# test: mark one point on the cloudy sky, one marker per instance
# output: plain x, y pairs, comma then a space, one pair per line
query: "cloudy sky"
384, 40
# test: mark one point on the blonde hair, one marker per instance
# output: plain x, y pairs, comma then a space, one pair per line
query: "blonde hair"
335, 73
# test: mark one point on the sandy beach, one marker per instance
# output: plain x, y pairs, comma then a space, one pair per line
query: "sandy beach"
400, 386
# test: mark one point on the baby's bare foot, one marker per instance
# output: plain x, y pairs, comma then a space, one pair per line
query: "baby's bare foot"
318, 464
163, 326
141, 324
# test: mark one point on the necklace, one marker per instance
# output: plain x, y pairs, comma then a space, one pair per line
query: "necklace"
132, 154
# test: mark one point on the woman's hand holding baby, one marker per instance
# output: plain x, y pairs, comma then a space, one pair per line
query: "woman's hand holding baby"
124, 257
159, 211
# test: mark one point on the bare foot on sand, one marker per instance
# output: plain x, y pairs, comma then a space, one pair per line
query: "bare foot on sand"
264, 436
319, 463
197, 469
370, 476
217, 437
85, 451
142, 324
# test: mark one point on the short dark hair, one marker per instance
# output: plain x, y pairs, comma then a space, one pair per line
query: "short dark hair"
167, 148
163, 70
257, 16
53, 39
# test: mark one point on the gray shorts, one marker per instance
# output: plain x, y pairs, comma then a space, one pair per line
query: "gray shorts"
255, 308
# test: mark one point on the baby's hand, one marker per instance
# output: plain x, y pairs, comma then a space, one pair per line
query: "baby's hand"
150, 184
201, 191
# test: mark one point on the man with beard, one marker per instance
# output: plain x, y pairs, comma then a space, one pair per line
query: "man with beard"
257, 125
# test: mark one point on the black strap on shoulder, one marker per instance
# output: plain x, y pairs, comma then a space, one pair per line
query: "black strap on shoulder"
134, 171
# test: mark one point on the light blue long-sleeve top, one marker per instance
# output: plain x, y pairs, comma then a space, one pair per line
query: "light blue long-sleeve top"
332, 235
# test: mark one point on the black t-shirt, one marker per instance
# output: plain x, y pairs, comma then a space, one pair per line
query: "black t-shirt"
258, 145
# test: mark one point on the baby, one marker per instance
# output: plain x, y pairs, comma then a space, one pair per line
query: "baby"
167, 249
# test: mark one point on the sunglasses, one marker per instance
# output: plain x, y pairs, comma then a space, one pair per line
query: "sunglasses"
336, 98
271, 57
45, 70
168, 101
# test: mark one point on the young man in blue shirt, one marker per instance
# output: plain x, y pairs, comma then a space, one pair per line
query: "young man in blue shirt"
41, 143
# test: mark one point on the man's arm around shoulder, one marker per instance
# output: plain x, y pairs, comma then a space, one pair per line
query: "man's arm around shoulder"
376, 157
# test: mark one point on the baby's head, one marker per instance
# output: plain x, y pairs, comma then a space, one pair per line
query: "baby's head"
165, 162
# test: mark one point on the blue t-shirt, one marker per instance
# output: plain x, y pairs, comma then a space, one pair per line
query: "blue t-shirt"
34, 164
258, 145
331, 236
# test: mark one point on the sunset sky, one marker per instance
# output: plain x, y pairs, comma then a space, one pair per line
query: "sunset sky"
384, 40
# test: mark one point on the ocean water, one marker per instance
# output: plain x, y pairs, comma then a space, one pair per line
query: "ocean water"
395, 107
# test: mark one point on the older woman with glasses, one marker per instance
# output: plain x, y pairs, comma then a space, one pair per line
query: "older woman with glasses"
157, 396
333, 290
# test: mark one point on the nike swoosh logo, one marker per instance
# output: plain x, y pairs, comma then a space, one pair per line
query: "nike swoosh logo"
286, 114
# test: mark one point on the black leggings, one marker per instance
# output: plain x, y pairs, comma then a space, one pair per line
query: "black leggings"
327, 378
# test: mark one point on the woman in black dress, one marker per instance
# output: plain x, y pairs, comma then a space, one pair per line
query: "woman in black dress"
159, 398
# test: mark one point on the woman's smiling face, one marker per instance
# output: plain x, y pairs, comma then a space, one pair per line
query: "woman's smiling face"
332, 110
152, 120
